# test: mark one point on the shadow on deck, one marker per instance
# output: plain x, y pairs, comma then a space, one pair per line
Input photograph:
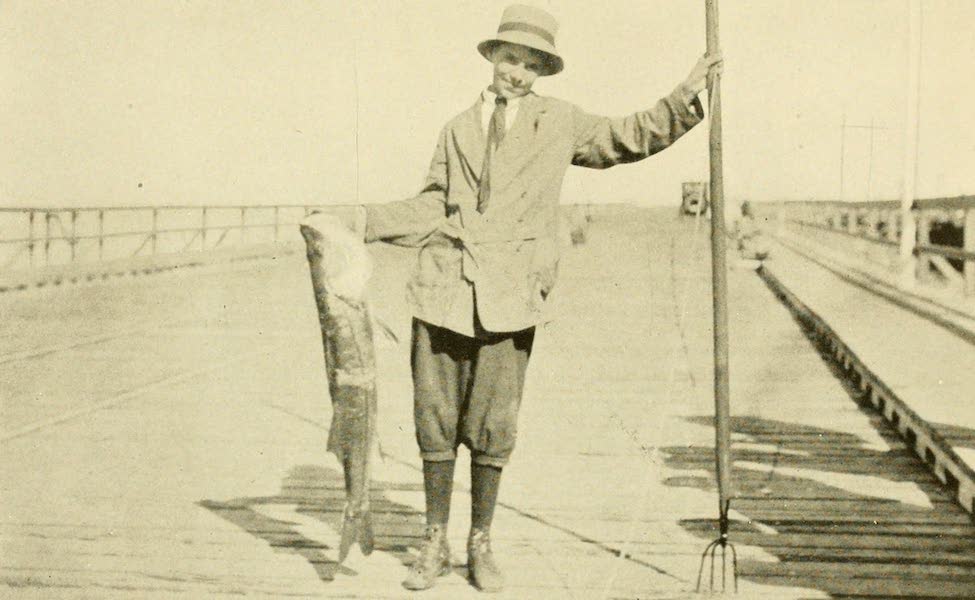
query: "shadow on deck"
319, 493
899, 534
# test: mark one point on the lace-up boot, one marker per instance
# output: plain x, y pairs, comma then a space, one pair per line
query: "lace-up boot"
481, 568
433, 561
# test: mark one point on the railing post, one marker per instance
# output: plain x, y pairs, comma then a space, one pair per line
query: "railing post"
47, 238
923, 268
889, 234
30, 238
101, 235
243, 220
969, 243
155, 228
892, 225
74, 234
873, 219
276, 223
203, 230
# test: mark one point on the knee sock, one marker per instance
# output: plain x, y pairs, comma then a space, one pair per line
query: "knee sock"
485, 481
438, 482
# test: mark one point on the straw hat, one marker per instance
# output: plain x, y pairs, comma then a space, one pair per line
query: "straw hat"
527, 26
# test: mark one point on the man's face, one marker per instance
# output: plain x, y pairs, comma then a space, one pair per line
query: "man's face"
515, 70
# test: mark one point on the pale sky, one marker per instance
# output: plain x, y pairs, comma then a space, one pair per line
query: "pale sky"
230, 102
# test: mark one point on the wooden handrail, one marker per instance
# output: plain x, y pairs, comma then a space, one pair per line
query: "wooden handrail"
946, 251
54, 209
954, 203
845, 218
54, 235
951, 203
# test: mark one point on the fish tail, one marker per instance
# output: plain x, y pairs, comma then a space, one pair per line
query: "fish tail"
357, 528
366, 539
349, 535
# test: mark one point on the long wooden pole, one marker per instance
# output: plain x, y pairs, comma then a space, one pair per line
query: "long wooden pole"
719, 278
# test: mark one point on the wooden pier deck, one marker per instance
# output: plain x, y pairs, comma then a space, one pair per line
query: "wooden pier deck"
163, 437
913, 359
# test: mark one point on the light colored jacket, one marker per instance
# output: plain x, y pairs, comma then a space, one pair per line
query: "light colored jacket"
506, 259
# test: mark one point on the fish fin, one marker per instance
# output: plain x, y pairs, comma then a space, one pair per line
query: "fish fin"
366, 539
350, 531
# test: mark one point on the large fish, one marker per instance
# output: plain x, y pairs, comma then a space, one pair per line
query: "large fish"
340, 269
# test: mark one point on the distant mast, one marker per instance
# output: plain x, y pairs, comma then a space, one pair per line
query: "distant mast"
908, 226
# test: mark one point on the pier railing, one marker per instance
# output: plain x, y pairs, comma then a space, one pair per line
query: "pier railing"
33, 238
41, 237
944, 248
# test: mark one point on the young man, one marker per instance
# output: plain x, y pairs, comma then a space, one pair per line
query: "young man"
486, 223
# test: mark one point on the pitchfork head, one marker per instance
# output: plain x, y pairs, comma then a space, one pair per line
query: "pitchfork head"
720, 545
711, 555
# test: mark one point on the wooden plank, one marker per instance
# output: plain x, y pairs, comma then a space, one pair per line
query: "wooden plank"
920, 530
776, 514
896, 468
888, 589
871, 555
772, 487
855, 541
845, 570
879, 506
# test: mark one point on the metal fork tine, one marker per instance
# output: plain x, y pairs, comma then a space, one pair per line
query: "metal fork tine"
734, 565
724, 567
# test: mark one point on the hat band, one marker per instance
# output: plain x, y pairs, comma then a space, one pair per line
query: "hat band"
528, 28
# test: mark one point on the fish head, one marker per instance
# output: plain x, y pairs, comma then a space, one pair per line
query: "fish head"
342, 259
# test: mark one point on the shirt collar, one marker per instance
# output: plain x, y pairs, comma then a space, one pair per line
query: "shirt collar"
488, 97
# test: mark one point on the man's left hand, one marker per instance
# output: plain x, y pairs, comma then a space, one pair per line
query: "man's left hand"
697, 80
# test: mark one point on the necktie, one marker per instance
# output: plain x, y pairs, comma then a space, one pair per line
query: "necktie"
496, 131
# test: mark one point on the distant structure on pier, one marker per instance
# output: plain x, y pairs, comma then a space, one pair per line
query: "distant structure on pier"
694, 198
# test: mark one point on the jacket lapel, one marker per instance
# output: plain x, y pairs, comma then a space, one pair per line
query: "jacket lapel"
513, 154
471, 143
516, 148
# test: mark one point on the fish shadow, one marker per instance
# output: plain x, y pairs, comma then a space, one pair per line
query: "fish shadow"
319, 493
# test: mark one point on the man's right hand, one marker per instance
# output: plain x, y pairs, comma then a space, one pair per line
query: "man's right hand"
697, 79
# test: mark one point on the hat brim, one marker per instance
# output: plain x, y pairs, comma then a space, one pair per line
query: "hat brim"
553, 62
